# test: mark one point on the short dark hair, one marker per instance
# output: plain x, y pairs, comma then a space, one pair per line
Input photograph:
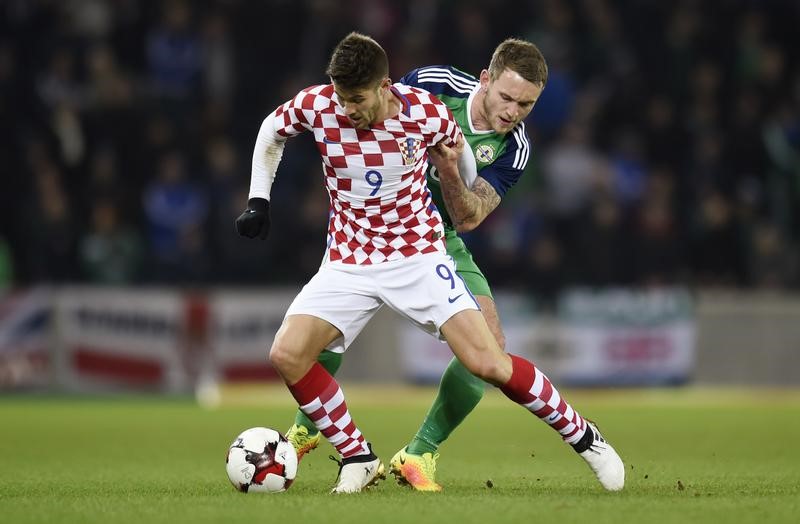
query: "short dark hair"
520, 56
357, 62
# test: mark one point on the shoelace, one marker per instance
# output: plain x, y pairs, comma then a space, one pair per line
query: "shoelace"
354, 459
340, 463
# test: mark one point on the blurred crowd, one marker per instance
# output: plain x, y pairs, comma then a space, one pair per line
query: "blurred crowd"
666, 143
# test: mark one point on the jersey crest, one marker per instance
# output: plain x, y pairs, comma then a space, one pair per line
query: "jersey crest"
409, 148
484, 153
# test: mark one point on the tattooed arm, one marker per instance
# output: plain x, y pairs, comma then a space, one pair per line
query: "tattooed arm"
467, 206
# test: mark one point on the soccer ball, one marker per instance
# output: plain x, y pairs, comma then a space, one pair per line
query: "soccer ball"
261, 460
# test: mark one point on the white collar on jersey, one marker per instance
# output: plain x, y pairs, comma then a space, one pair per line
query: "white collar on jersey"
470, 101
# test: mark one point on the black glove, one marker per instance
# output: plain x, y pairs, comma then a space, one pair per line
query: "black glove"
254, 222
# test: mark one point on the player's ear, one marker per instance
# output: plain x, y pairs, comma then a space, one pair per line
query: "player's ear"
484, 79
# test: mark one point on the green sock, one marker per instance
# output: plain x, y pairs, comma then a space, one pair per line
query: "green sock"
459, 393
330, 361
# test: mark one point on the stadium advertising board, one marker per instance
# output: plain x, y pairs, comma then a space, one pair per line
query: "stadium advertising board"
596, 338
243, 327
107, 338
622, 337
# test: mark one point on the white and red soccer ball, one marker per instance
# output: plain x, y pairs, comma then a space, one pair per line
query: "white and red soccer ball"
261, 460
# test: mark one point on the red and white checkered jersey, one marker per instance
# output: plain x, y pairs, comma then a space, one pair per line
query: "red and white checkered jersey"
381, 208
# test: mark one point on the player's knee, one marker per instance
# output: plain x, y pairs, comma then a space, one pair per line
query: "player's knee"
495, 372
283, 358
485, 366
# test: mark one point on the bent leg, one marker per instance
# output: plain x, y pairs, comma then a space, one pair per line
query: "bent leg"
459, 392
531, 388
330, 311
517, 377
297, 345
473, 344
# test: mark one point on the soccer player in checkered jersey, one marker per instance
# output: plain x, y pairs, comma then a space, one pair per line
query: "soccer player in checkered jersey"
490, 110
385, 246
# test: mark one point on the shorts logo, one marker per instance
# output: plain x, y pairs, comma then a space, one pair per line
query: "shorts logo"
484, 153
453, 299
409, 148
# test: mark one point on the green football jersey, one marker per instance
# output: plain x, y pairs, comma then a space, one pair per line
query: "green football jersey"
500, 158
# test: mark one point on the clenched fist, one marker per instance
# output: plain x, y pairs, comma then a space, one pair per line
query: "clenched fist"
254, 222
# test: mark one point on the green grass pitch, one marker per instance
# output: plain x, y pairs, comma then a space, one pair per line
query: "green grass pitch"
691, 456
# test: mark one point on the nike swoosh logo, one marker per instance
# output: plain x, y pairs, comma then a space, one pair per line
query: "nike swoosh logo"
451, 300
328, 140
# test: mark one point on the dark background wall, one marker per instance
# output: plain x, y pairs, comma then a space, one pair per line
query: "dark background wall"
666, 144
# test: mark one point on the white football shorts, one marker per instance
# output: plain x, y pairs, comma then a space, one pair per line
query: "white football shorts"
425, 289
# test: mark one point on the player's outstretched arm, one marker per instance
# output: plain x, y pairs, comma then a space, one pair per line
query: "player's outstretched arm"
467, 206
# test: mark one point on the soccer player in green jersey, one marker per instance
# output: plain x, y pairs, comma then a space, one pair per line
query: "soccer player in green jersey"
490, 110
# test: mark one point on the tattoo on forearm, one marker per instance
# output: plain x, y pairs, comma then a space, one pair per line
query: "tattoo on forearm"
469, 206
487, 194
